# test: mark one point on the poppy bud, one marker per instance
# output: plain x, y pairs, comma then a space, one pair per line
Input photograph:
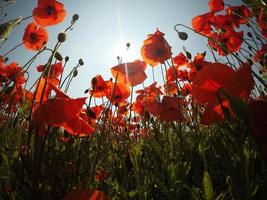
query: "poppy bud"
75, 73
183, 35
128, 44
75, 17
81, 62
67, 58
58, 56
86, 91
188, 55
249, 34
94, 81
61, 37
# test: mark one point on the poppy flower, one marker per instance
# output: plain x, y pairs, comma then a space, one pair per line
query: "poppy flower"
49, 12
63, 112
34, 37
202, 23
44, 89
85, 194
223, 22
99, 87
215, 81
216, 5
150, 93
55, 69
262, 22
93, 113
155, 49
170, 109
180, 60
186, 89
239, 14
259, 55
170, 88
117, 94
197, 64
228, 42
132, 73
174, 73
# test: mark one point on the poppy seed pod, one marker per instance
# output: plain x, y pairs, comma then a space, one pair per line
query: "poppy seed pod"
67, 58
58, 56
61, 37
75, 17
81, 62
183, 35
75, 73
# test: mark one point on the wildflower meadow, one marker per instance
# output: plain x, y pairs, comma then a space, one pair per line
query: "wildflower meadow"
200, 132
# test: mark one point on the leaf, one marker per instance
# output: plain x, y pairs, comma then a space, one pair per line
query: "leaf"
6, 28
207, 186
264, 76
133, 193
4, 157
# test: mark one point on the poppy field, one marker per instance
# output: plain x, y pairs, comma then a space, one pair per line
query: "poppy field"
200, 132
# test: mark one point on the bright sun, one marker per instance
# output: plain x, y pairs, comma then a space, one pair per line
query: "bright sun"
128, 54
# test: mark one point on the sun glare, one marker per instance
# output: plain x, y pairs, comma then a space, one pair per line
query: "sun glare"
127, 53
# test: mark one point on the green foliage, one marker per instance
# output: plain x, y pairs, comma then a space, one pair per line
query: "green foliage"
207, 186
7, 28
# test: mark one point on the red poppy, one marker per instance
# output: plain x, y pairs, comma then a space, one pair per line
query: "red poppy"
223, 22
118, 94
239, 14
216, 5
155, 49
99, 86
150, 93
34, 37
170, 109
85, 194
11, 80
93, 113
228, 42
262, 22
44, 88
49, 12
186, 89
180, 60
132, 73
170, 88
63, 112
202, 23
259, 55
100, 174
55, 69
215, 81
174, 73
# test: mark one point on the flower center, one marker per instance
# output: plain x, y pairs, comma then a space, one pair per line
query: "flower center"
33, 37
49, 10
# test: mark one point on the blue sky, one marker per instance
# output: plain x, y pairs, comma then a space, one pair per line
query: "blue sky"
103, 29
